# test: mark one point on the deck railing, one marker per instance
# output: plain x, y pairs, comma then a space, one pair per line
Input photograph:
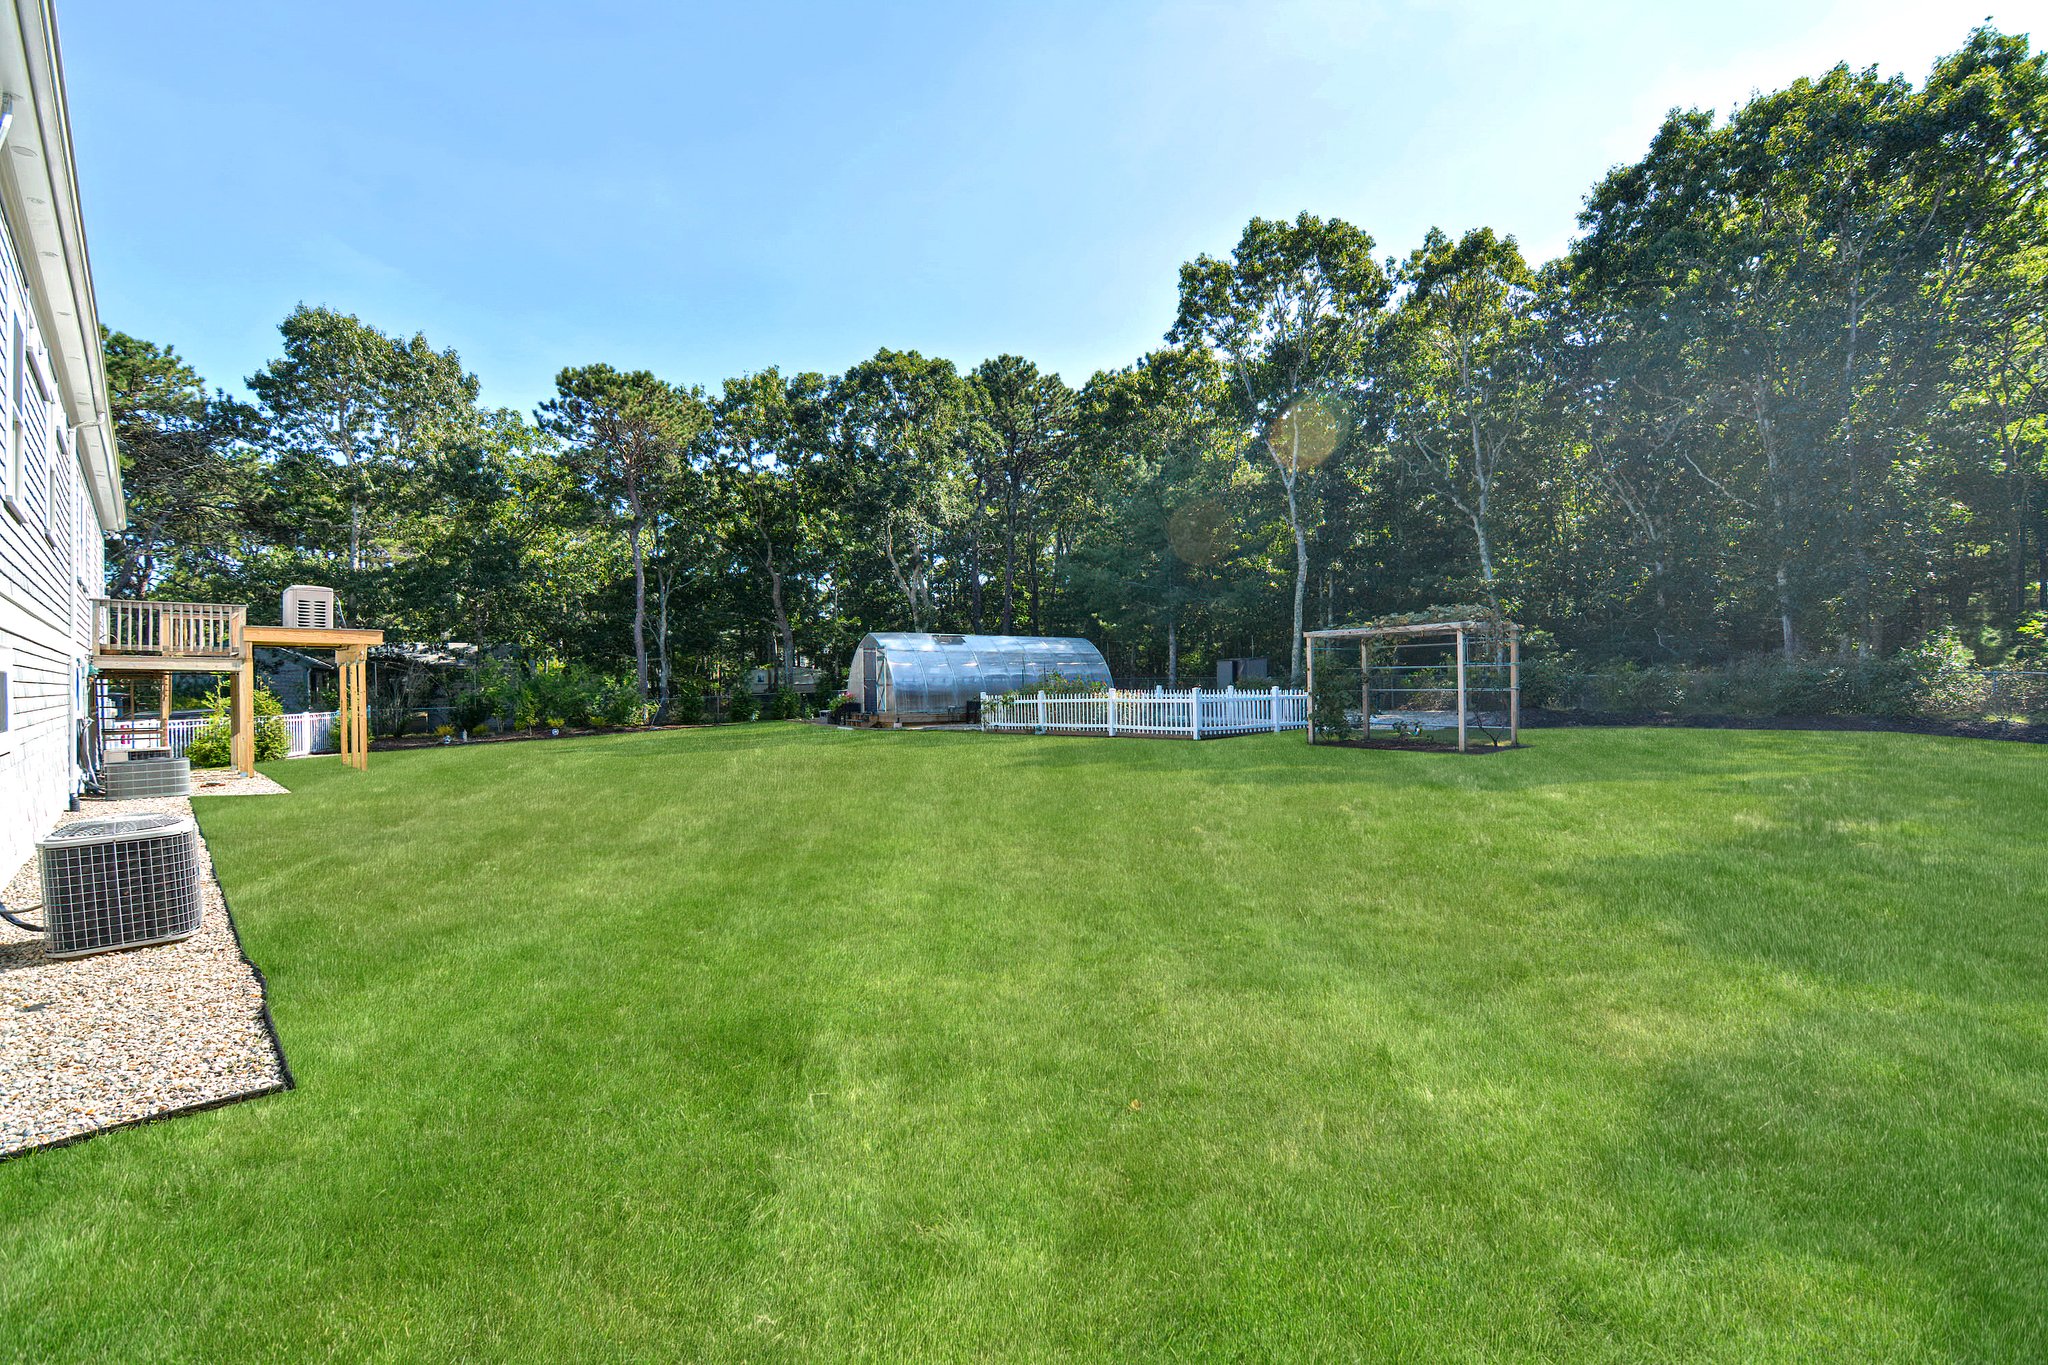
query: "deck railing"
189, 630
1157, 714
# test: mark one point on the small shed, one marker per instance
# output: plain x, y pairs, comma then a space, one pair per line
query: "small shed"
909, 675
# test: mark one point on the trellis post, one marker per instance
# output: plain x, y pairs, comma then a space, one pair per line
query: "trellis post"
1365, 687
1111, 703
1514, 687
1309, 648
1461, 691
1195, 713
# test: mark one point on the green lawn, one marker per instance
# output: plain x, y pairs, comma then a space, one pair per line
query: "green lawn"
780, 1043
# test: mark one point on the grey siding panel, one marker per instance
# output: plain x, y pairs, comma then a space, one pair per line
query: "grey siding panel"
50, 568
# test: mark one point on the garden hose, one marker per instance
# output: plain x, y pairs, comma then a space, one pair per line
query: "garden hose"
18, 922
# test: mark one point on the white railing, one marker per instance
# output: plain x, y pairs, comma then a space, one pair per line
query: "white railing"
1158, 714
180, 629
312, 732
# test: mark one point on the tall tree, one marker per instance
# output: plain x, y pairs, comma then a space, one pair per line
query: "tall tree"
767, 452
1025, 428
1466, 386
1291, 313
186, 463
900, 433
626, 435
362, 414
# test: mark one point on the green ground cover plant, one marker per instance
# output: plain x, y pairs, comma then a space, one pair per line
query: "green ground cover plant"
787, 1043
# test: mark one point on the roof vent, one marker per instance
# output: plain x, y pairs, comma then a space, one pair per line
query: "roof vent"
122, 881
309, 608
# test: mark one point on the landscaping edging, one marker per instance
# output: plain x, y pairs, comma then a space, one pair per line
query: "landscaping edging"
2016, 731
197, 951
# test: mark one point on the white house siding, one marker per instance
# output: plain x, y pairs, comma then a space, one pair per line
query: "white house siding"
51, 566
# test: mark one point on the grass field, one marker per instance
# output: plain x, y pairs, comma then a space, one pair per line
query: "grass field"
780, 1043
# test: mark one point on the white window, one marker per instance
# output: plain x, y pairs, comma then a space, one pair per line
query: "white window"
16, 363
58, 514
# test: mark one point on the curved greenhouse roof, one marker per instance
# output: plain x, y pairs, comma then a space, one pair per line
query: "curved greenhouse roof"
908, 673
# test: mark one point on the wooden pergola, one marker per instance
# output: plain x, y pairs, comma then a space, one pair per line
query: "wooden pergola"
167, 638
1457, 633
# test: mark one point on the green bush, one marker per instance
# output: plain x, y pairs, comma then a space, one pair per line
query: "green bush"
212, 745
686, 704
1939, 678
785, 704
740, 705
472, 710
616, 702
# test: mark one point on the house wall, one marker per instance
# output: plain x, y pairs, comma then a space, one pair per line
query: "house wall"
51, 566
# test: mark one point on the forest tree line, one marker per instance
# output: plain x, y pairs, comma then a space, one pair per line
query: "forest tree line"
1784, 395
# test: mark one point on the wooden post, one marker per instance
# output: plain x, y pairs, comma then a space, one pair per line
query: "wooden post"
354, 718
1309, 648
341, 705
242, 688
1461, 691
1365, 687
163, 711
1514, 687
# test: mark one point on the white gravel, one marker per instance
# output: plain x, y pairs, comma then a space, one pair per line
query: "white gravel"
91, 1042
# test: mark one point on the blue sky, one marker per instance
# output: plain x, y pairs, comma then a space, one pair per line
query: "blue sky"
707, 191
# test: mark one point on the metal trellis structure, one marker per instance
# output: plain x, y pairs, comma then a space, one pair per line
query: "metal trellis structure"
1417, 682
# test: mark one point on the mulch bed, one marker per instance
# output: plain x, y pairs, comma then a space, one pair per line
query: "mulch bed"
2019, 731
517, 736
1414, 746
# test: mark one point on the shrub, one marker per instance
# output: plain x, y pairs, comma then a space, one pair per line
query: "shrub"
212, 745
785, 704
473, 710
740, 705
559, 695
1938, 678
686, 704
617, 702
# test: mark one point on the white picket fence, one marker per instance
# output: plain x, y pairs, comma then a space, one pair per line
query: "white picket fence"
1158, 714
312, 732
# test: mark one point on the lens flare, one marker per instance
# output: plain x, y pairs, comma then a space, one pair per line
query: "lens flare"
1306, 434
1200, 532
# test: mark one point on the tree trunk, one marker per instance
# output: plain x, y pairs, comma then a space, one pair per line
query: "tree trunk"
1300, 586
1010, 564
639, 602
664, 585
974, 557
783, 635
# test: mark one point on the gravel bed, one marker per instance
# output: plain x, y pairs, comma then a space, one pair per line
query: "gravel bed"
94, 1042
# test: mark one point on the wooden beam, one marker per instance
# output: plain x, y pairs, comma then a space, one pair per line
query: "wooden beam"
307, 637
163, 711
157, 663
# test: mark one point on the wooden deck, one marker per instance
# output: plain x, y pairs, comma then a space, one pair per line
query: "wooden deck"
216, 637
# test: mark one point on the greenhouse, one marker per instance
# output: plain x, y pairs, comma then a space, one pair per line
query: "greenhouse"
920, 677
